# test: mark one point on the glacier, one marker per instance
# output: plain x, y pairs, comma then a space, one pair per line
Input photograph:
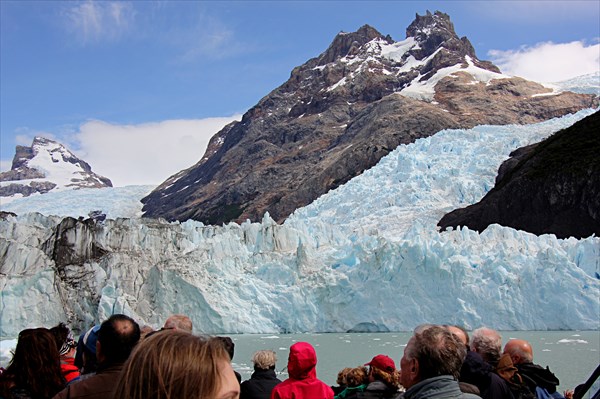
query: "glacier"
367, 256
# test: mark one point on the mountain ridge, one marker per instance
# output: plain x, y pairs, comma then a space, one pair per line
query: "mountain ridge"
340, 113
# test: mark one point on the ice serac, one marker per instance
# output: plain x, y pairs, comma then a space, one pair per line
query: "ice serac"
47, 166
551, 187
341, 112
364, 257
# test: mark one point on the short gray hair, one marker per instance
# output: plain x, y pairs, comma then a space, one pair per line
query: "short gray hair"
488, 343
438, 351
264, 359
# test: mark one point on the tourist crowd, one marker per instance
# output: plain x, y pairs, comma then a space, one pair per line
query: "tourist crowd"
118, 359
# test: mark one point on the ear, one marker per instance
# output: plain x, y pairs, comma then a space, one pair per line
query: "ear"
99, 354
414, 367
411, 373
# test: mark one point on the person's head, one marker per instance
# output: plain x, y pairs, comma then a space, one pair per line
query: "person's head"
488, 343
229, 346
64, 339
85, 357
431, 352
519, 350
341, 377
117, 337
357, 376
302, 361
382, 368
461, 333
176, 364
179, 322
264, 360
35, 365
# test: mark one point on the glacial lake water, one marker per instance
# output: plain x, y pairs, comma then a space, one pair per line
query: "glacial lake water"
571, 355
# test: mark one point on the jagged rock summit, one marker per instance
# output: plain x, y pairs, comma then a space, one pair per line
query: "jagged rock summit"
47, 165
341, 112
551, 187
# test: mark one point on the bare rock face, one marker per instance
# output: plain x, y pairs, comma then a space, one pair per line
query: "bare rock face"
341, 112
45, 166
552, 187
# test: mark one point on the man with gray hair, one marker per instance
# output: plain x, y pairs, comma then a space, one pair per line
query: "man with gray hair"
431, 365
488, 343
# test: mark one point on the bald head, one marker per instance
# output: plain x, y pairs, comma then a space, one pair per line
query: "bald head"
519, 350
460, 333
179, 322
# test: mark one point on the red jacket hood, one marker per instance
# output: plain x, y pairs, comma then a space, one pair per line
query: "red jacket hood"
302, 361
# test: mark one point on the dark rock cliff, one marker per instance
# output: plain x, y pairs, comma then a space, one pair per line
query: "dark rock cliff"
340, 113
551, 187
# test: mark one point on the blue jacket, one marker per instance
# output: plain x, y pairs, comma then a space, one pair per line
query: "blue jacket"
443, 387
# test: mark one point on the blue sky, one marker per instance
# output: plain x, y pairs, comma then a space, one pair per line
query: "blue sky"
153, 80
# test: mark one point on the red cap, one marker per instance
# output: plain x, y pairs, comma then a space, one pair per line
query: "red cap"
382, 362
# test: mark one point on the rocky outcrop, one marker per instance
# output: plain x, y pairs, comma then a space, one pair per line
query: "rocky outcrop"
341, 112
552, 187
45, 166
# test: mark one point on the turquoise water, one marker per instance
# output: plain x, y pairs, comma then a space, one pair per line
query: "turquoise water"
571, 355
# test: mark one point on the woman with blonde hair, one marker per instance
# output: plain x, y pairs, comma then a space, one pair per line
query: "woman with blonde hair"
171, 364
263, 380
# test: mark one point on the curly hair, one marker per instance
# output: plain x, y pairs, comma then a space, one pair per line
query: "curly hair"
35, 366
357, 376
391, 379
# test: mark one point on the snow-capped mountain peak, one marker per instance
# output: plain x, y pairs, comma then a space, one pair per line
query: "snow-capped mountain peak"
47, 166
341, 112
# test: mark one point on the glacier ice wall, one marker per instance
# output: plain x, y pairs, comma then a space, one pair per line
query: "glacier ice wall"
366, 256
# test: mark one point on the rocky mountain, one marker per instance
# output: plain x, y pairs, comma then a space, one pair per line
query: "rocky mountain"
341, 112
47, 165
550, 187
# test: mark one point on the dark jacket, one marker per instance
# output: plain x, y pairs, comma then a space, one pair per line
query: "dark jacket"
375, 390
537, 376
479, 373
99, 386
260, 385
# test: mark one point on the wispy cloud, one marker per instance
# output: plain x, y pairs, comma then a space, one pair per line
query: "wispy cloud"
146, 153
97, 21
549, 62
202, 35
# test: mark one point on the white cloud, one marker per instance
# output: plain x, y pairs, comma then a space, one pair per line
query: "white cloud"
549, 62
147, 153
94, 21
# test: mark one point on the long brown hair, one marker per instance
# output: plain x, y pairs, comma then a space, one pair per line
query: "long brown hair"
172, 364
35, 366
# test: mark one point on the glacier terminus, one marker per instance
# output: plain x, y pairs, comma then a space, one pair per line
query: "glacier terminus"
366, 256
